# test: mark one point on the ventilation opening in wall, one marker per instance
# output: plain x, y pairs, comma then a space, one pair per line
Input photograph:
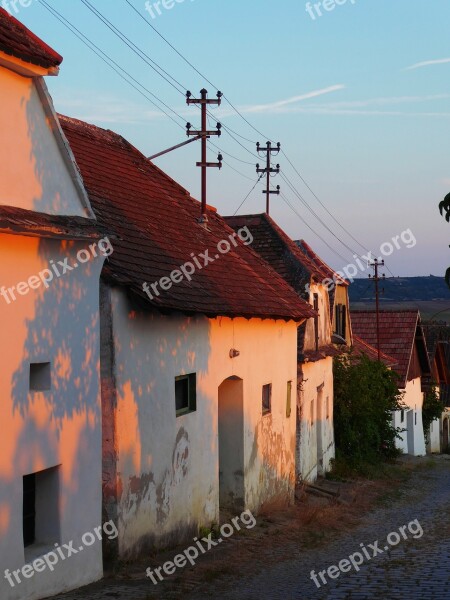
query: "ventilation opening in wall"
41, 520
40, 377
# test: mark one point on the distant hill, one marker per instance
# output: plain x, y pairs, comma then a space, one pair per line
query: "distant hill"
401, 289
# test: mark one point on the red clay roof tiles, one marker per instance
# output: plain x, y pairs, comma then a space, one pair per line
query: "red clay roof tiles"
397, 334
156, 223
16, 40
362, 347
330, 273
280, 251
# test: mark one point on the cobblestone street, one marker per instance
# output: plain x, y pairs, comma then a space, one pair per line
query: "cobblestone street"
413, 568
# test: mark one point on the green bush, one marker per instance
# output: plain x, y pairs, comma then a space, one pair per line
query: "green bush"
365, 395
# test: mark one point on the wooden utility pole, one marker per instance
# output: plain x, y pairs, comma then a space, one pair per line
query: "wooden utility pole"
204, 134
268, 170
376, 278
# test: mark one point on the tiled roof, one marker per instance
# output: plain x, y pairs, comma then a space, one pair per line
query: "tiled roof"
330, 273
362, 347
16, 40
280, 251
397, 334
156, 223
18, 221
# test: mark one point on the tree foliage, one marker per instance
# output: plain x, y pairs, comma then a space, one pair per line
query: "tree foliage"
365, 395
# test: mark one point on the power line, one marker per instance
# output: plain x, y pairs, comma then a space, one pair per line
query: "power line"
105, 58
323, 205
134, 48
194, 68
312, 211
157, 68
239, 113
311, 228
243, 201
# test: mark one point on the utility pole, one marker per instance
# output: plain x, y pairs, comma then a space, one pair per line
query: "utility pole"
204, 134
376, 264
269, 151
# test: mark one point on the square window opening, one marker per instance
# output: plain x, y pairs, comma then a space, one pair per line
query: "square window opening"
40, 377
185, 394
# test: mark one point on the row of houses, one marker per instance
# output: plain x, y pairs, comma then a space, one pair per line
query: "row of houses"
155, 372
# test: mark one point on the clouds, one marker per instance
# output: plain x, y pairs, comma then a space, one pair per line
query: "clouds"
280, 105
428, 63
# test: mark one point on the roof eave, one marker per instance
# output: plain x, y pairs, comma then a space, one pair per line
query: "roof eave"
25, 68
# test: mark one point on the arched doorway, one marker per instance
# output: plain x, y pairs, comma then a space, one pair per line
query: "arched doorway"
231, 444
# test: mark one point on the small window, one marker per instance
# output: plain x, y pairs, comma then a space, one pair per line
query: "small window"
185, 394
288, 399
402, 416
340, 320
316, 321
415, 418
328, 407
266, 398
40, 377
312, 412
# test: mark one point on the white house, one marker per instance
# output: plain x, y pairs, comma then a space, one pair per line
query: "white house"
316, 282
402, 338
199, 369
50, 408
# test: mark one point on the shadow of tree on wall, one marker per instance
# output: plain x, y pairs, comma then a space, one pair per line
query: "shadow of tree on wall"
159, 454
61, 426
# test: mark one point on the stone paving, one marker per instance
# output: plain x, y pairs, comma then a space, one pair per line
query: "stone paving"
412, 569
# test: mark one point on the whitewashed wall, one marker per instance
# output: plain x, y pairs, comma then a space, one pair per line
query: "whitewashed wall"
412, 440
168, 465
62, 426
315, 445
34, 162
60, 324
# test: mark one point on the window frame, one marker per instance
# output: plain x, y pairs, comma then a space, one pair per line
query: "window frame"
266, 411
191, 379
288, 399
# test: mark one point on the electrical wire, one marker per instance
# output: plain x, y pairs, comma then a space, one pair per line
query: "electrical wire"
239, 113
244, 200
311, 228
112, 63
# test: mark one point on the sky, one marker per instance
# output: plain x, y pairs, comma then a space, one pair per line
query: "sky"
357, 95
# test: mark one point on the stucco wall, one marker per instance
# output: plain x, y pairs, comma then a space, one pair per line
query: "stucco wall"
434, 445
324, 318
167, 465
33, 167
315, 432
413, 439
45, 429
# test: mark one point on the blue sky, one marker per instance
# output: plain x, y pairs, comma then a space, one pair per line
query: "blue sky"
346, 93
